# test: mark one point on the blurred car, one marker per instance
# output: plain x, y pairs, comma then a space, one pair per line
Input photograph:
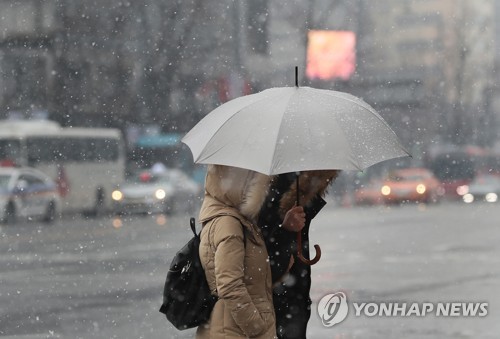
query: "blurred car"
412, 185
483, 188
167, 191
369, 193
27, 193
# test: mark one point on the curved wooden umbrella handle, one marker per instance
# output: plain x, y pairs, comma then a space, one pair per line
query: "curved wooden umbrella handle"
299, 252
299, 234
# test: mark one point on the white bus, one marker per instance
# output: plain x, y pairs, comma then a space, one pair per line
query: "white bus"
86, 163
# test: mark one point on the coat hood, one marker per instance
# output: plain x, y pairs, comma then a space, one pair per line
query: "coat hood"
236, 191
233, 191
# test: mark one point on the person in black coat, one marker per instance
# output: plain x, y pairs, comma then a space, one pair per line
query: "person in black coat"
291, 277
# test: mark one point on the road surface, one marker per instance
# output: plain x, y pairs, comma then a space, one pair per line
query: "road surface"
103, 278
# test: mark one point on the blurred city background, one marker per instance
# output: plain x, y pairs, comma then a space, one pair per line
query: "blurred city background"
429, 67
97, 94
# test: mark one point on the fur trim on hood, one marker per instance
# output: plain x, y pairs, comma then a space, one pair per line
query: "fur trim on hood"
246, 191
241, 189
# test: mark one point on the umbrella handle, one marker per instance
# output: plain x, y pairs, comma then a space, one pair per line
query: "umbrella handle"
299, 234
299, 252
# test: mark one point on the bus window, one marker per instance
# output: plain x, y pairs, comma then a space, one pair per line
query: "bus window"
43, 150
50, 150
76, 150
107, 150
10, 152
97, 150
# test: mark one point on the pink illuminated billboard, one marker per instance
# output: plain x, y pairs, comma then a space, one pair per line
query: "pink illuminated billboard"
331, 55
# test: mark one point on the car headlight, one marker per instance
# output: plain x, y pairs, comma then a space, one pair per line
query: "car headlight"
462, 190
117, 195
491, 197
160, 194
386, 190
421, 188
468, 198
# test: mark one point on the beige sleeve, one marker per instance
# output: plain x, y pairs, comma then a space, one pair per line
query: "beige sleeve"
229, 275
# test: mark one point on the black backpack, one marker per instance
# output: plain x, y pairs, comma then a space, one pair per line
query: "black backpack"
187, 301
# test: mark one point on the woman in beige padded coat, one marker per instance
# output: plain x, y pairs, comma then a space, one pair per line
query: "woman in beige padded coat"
236, 264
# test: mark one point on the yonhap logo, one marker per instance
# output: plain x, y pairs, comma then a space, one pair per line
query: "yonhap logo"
333, 309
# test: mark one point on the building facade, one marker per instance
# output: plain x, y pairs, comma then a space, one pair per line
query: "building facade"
427, 65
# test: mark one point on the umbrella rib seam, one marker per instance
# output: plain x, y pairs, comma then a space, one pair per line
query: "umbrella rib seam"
225, 122
356, 164
278, 134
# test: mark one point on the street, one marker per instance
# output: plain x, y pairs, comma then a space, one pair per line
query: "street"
103, 278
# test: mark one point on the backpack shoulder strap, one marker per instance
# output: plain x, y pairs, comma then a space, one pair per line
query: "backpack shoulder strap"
192, 223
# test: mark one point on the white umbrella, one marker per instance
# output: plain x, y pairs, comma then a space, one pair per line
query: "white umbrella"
291, 129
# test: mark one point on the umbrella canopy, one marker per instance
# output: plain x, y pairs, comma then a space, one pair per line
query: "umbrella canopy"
293, 129
289, 129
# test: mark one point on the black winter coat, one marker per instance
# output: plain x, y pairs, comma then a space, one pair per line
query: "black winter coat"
291, 296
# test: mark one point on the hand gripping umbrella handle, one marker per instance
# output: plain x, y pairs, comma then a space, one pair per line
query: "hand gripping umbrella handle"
299, 239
